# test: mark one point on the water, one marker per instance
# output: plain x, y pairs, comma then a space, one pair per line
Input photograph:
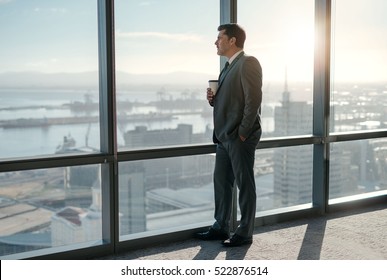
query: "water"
48, 103
32, 141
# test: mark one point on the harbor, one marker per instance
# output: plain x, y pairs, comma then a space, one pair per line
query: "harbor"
45, 122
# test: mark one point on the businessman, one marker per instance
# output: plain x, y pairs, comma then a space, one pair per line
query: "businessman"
237, 131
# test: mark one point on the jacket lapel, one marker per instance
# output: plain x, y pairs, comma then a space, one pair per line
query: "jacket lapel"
229, 68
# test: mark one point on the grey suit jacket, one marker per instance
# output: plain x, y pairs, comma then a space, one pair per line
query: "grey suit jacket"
237, 103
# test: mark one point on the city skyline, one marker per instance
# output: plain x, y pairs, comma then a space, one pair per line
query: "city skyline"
164, 187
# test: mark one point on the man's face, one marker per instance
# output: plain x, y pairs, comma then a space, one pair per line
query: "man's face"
223, 43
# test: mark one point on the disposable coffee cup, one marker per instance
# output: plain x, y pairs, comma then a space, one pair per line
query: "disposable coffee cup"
213, 84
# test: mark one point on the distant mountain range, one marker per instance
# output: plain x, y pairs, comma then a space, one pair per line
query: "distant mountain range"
90, 79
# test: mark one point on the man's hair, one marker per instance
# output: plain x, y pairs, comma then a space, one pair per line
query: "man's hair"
234, 30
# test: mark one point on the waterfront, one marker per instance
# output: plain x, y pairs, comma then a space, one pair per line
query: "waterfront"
34, 122
40, 107
49, 115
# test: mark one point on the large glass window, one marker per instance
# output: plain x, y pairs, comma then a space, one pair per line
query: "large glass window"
358, 167
280, 33
165, 55
165, 194
359, 65
283, 177
48, 77
49, 208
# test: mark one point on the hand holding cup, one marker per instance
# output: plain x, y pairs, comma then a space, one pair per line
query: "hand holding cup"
211, 90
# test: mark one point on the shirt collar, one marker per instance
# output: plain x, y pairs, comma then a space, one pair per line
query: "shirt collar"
234, 56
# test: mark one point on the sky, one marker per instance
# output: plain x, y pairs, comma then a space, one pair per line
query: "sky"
48, 35
163, 36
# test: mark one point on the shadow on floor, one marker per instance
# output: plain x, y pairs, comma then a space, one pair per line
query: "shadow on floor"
210, 250
313, 240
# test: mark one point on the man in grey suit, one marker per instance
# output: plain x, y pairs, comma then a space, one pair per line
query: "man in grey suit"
237, 131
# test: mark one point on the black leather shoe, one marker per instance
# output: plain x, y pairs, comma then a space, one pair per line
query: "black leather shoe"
212, 234
237, 240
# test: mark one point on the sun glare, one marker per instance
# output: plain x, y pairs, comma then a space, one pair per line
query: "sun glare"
298, 52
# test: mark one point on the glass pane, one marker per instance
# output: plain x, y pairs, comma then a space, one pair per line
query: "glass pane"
283, 177
49, 208
280, 33
359, 65
165, 194
165, 55
48, 77
357, 167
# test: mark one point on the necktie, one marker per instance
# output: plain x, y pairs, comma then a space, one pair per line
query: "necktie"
223, 72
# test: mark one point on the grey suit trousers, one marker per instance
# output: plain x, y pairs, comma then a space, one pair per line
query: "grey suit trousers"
235, 161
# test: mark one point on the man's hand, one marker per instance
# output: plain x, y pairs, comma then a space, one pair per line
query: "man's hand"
242, 138
210, 96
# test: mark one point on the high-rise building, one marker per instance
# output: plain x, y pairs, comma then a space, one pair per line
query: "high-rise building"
292, 166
